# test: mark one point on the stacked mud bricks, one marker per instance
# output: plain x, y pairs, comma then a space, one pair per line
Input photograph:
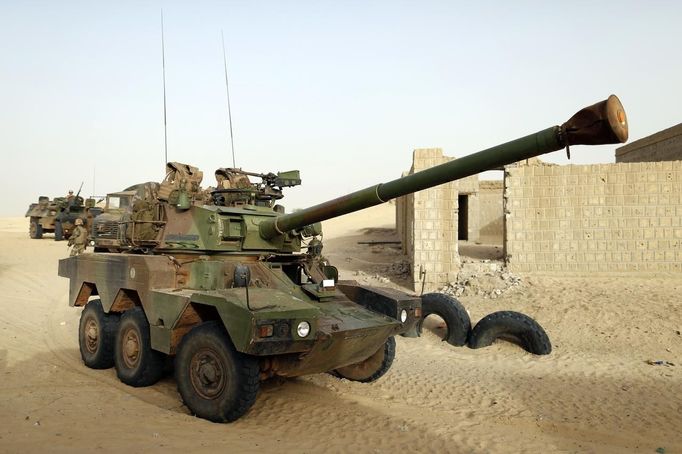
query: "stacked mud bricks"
619, 217
427, 224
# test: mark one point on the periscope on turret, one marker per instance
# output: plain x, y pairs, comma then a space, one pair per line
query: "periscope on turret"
236, 290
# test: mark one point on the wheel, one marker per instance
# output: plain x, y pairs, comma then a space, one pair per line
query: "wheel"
58, 231
35, 229
514, 327
216, 382
96, 336
456, 318
373, 367
136, 363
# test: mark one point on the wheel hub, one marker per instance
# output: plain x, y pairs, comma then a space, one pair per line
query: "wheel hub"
207, 373
91, 336
131, 348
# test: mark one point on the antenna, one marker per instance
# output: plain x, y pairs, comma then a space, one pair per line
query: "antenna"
94, 170
227, 88
163, 64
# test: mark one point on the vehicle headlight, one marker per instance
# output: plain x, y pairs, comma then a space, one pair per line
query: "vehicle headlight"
403, 316
303, 329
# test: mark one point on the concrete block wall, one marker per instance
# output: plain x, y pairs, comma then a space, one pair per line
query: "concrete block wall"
594, 218
491, 221
427, 223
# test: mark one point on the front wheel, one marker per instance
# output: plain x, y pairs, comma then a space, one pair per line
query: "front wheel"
136, 363
216, 382
373, 367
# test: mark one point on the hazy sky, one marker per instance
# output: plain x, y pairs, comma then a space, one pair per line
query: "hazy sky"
342, 91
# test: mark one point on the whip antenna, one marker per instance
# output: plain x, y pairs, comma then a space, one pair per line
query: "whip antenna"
227, 88
163, 66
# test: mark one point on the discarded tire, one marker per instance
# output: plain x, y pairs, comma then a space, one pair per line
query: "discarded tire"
456, 318
511, 326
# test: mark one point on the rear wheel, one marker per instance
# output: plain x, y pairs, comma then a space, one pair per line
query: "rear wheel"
35, 229
373, 367
216, 382
96, 336
58, 231
136, 363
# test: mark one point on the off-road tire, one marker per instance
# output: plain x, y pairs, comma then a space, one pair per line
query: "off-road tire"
372, 368
216, 382
35, 229
514, 327
97, 335
456, 318
135, 361
58, 231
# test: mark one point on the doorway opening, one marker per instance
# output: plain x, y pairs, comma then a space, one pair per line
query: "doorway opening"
463, 217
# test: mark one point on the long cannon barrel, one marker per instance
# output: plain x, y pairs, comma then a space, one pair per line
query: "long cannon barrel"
601, 123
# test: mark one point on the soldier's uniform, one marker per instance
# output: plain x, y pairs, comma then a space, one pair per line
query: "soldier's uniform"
78, 238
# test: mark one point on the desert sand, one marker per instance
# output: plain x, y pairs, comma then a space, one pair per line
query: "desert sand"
595, 392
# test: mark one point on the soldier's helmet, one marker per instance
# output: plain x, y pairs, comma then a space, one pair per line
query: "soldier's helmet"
79, 221
70, 191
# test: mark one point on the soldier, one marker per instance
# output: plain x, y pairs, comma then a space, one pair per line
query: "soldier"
78, 238
70, 196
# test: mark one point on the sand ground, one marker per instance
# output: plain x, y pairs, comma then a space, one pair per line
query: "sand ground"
594, 393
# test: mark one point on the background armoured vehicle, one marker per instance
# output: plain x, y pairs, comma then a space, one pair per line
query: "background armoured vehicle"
42, 216
59, 215
71, 209
238, 291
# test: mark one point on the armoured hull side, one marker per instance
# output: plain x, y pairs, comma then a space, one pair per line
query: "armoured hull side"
107, 275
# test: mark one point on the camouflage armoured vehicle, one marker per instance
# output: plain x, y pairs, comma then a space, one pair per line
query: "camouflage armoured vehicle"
42, 216
237, 291
59, 215
70, 209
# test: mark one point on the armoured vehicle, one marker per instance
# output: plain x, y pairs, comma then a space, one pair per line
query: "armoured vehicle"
59, 215
238, 291
42, 216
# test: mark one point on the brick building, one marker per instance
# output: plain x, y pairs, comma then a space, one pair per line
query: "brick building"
620, 217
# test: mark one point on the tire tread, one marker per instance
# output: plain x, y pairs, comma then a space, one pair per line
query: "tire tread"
505, 324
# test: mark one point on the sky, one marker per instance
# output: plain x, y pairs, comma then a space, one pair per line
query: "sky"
343, 91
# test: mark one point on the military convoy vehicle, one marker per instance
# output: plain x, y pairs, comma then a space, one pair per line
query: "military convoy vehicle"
238, 291
42, 216
117, 215
59, 215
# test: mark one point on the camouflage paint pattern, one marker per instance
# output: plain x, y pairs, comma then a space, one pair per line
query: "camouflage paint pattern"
230, 253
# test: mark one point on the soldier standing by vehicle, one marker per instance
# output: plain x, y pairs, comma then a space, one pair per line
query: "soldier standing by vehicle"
78, 239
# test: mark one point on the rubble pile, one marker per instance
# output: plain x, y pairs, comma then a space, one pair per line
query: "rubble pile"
486, 278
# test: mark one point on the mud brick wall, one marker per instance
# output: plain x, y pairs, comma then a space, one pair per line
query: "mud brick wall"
427, 224
594, 218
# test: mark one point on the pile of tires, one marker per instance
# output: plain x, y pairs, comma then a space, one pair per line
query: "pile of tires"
510, 326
